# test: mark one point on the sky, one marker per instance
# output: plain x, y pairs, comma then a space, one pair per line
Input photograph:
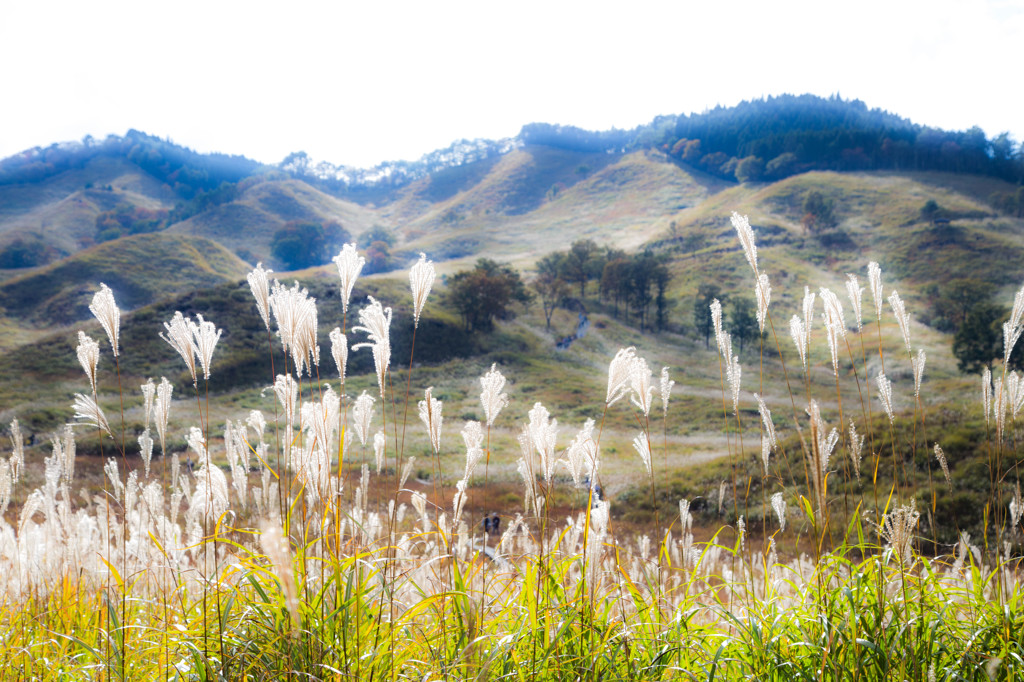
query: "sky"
358, 83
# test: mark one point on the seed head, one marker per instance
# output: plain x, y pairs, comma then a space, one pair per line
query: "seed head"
918, 362
746, 235
856, 449
89, 356
105, 310
855, 291
260, 286
941, 456
619, 375
421, 279
473, 437
379, 442
799, 335
350, 264
641, 387
666, 389
179, 336
206, 337
339, 350
491, 397
898, 530
902, 318
375, 321
885, 395
362, 415
162, 411
779, 506
875, 283
764, 297
643, 448
430, 414
88, 412
768, 442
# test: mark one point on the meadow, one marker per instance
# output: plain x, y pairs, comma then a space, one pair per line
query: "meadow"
332, 535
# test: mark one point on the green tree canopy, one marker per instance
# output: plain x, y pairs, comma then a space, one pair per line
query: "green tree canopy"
487, 292
302, 244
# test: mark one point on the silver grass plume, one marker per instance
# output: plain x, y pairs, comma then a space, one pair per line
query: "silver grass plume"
716, 324
898, 530
918, 362
114, 475
856, 449
179, 336
1012, 328
582, 453
643, 448
430, 414
835, 325
491, 397
543, 435
379, 443
148, 394
768, 442
721, 496
875, 283
259, 283
421, 279
339, 351
855, 291
162, 411
146, 449
999, 409
18, 451
419, 503
407, 471
619, 375
799, 334
885, 394
287, 391
941, 456
459, 501
779, 506
986, 394
88, 412
733, 374
89, 356
808, 309
641, 386
666, 389
902, 318
350, 264
6, 486
105, 310
375, 321
278, 552
764, 298
746, 235
685, 517
1014, 394
206, 337
296, 316
473, 437
197, 442
362, 415
68, 449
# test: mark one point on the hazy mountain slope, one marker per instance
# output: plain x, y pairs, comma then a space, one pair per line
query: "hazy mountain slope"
63, 209
140, 269
246, 226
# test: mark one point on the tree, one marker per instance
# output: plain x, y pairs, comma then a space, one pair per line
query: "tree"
743, 321
302, 244
706, 293
820, 210
953, 301
577, 262
979, 340
750, 169
551, 289
485, 293
376, 234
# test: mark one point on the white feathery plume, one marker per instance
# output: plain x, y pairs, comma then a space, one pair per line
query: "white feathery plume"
1016, 508
799, 335
350, 264
197, 443
581, 453
808, 309
641, 386
362, 415
885, 394
685, 517
491, 397
6, 486
430, 414
339, 350
1015, 394
875, 283
898, 530
986, 394
643, 448
407, 470
89, 356
419, 503
666, 389
1010, 336
148, 394
277, 549
146, 449
18, 451
999, 409
902, 318
259, 283
421, 279
379, 443
833, 311
733, 374
287, 391
206, 337
855, 291
306, 344
69, 454
114, 474
162, 411
458, 502
918, 362
179, 336
375, 321
941, 456
856, 448
105, 310
832, 336
746, 235
768, 442
473, 437
764, 298
88, 412
543, 435
716, 324
779, 506
619, 375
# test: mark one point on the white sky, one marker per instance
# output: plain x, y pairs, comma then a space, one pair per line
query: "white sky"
357, 83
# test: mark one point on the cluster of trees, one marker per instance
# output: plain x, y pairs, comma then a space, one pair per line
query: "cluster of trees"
967, 308
488, 292
378, 242
631, 282
303, 243
27, 251
739, 316
126, 219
